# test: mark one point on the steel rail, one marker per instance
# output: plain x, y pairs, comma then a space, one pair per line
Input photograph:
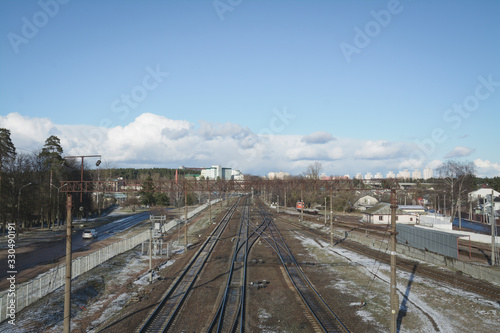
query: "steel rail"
233, 303
323, 314
164, 314
480, 287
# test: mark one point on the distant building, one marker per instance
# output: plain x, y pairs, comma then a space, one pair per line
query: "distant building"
428, 173
416, 174
368, 176
390, 175
405, 174
358, 176
278, 175
237, 175
218, 172
381, 214
378, 175
365, 202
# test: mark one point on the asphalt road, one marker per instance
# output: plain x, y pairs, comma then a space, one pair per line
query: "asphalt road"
43, 253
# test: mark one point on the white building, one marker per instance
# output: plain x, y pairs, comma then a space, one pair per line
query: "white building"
390, 175
237, 175
482, 193
278, 175
368, 176
416, 174
218, 172
405, 174
378, 175
365, 202
358, 176
428, 173
381, 214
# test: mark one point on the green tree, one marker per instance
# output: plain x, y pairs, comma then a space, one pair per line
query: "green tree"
7, 154
51, 161
51, 153
161, 199
147, 192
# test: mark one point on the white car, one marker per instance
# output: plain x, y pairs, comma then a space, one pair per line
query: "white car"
89, 233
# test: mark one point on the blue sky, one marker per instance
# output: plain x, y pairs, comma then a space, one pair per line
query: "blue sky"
360, 86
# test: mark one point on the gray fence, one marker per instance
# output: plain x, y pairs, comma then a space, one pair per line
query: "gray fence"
45, 283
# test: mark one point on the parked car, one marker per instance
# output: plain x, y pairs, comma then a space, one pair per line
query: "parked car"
89, 233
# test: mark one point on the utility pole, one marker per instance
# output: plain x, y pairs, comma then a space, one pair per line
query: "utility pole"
69, 225
209, 206
278, 205
185, 218
301, 208
284, 203
82, 157
150, 255
331, 216
331, 232
67, 284
493, 230
394, 295
325, 211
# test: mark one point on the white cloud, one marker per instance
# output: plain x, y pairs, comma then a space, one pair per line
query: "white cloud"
318, 137
459, 151
377, 150
28, 132
152, 140
312, 153
434, 164
486, 168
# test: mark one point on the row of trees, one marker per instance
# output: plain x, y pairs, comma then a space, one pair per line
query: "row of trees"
30, 184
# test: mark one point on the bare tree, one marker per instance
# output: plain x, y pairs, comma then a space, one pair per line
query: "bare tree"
457, 178
313, 170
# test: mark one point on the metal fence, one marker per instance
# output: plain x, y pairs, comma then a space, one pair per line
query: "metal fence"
45, 283
440, 242
29, 292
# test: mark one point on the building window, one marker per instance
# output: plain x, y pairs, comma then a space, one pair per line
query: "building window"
411, 219
397, 217
380, 218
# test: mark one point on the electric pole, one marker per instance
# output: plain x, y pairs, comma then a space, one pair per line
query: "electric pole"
67, 285
394, 294
185, 218
493, 229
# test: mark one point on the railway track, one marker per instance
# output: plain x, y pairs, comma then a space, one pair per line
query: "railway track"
164, 314
478, 252
480, 287
325, 317
230, 316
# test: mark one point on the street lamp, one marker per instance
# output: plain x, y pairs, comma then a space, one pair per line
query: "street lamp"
81, 179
